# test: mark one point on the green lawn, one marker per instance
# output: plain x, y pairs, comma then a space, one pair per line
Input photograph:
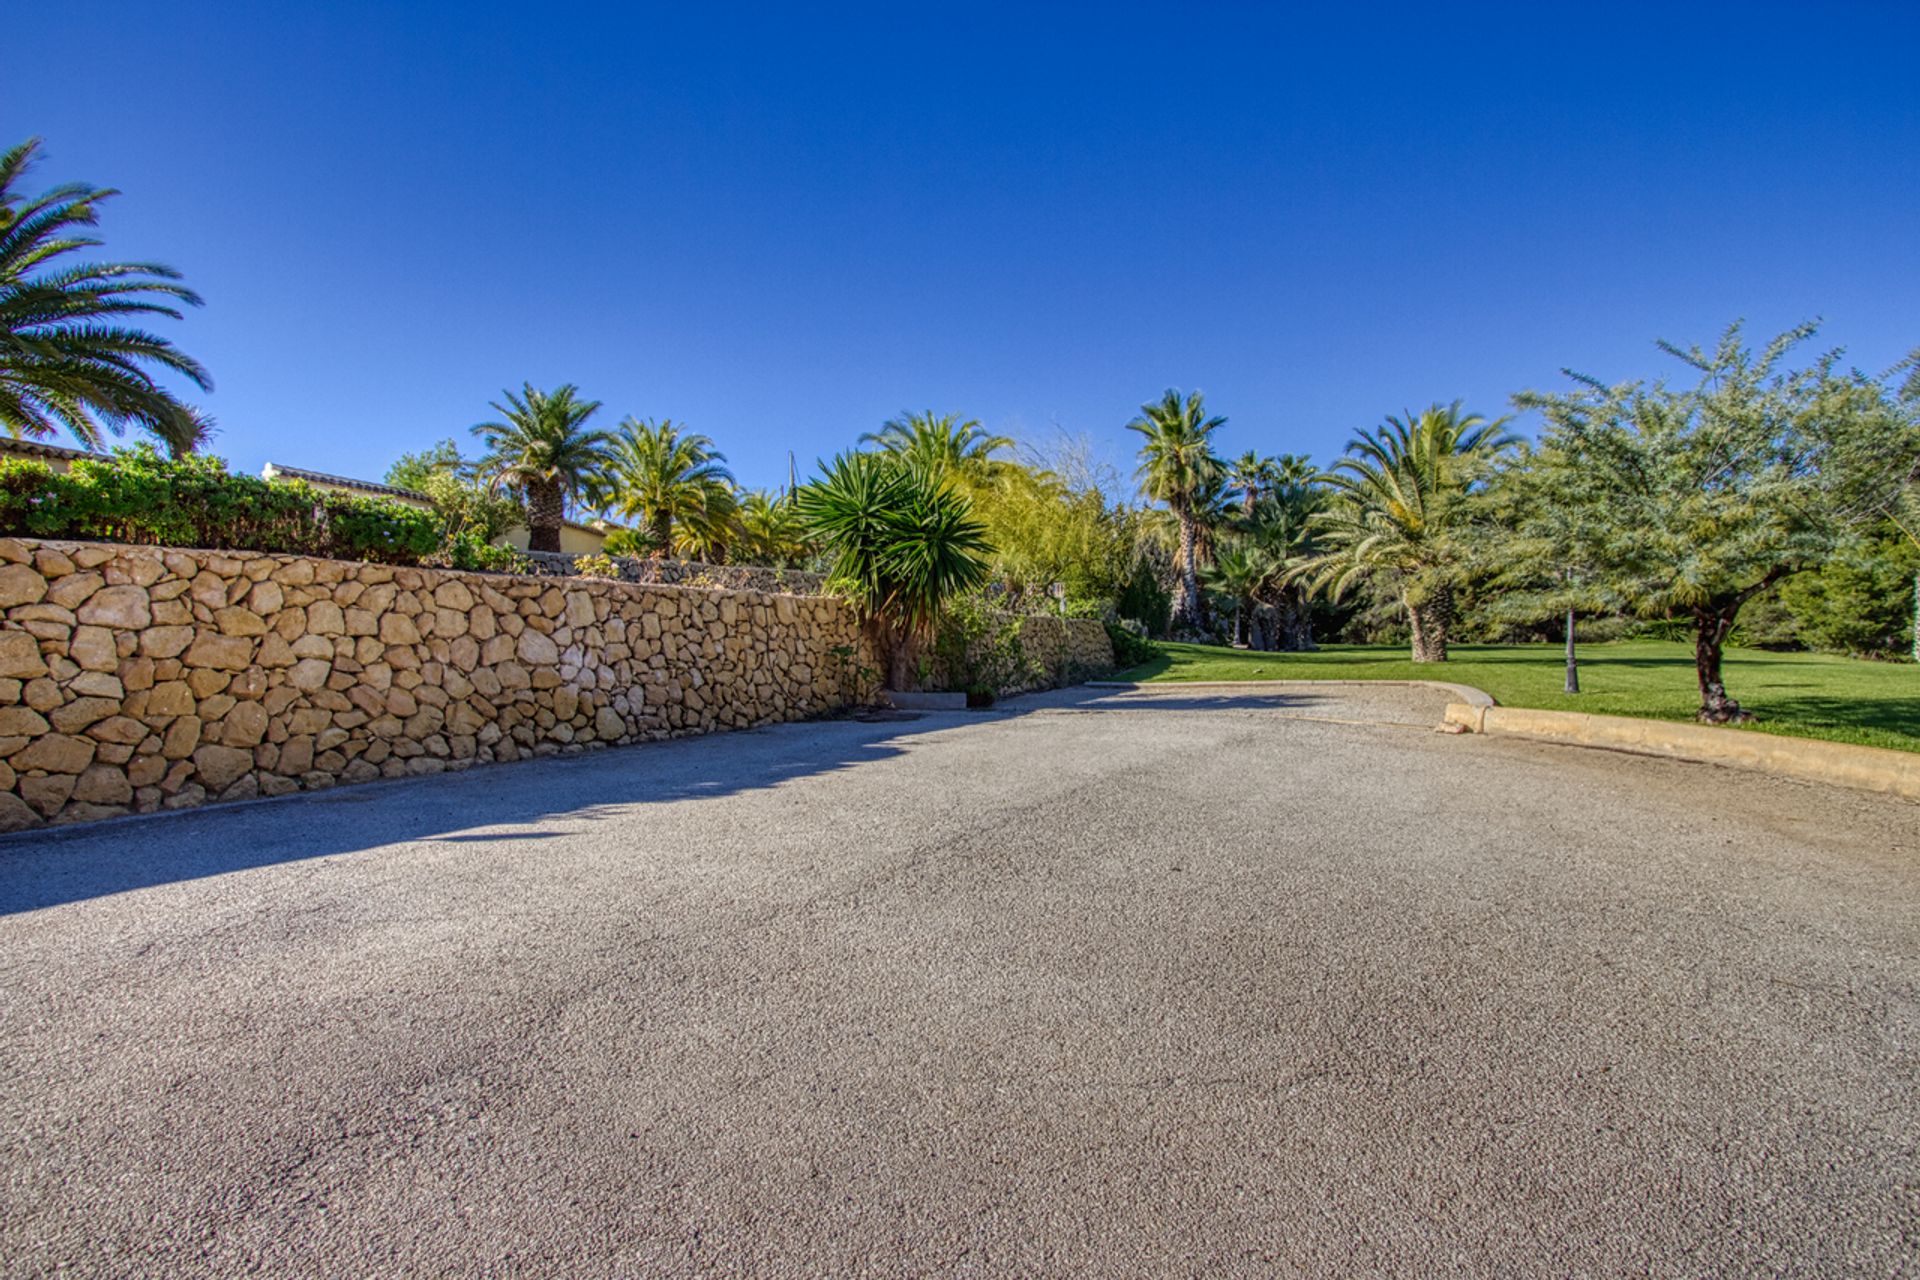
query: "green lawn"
1799, 694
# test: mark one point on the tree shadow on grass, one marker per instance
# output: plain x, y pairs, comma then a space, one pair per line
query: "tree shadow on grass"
534, 800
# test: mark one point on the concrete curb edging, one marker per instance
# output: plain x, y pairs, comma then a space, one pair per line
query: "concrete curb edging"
1835, 763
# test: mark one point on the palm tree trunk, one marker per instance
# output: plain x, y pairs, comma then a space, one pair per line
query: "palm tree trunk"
546, 512
662, 532
1296, 622
1430, 618
1189, 572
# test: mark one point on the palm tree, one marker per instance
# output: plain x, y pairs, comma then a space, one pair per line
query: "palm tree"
1243, 573
902, 541
543, 450
1178, 467
1282, 528
66, 357
941, 443
1399, 513
1252, 476
666, 476
771, 532
188, 429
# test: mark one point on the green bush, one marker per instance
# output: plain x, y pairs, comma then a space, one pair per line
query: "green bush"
468, 550
977, 649
1130, 648
141, 497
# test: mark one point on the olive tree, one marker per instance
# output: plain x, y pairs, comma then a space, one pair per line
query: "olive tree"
1697, 498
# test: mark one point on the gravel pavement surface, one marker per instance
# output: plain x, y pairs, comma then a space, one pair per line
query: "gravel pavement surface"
1103, 983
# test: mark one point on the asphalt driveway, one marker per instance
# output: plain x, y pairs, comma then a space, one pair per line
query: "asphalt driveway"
1116, 984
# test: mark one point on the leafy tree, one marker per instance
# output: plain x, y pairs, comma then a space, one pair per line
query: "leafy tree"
412, 470
1178, 467
1400, 516
901, 543
68, 357
543, 450
1706, 496
667, 476
1543, 541
1856, 601
942, 444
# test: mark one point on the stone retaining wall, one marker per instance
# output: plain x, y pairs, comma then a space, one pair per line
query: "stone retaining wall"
1063, 650
140, 678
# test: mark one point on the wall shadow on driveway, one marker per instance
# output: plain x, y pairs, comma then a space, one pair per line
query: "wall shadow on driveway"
496, 803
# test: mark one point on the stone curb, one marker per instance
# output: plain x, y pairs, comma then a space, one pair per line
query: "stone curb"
1835, 763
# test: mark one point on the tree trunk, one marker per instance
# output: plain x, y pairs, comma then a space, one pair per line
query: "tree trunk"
1573, 663
903, 675
1430, 618
1710, 639
1189, 609
1296, 622
662, 533
546, 512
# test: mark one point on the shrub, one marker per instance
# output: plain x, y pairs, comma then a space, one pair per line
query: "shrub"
140, 497
977, 649
596, 567
630, 542
1130, 647
468, 550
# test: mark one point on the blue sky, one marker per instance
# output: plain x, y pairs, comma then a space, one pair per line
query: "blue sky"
782, 228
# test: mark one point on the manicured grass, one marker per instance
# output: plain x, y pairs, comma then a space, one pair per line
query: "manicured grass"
1797, 694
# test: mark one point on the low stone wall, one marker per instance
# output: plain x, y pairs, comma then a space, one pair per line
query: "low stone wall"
139, 678
689, 573
1066, 649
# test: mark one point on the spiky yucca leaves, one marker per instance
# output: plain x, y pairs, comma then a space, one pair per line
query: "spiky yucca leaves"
671, 478
942, 444
68, 357
1399, 515
542, 449
902, 543
1178, 467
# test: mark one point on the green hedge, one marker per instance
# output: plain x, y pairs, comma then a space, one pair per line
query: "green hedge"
141, 497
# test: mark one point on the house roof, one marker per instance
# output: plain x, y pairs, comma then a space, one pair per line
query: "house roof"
274, 470
35, 449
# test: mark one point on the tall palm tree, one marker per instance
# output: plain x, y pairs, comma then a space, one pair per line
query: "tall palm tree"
667, 476
1400, 512
1243, 573
542, 449
942, 444
1178, 467
67, 357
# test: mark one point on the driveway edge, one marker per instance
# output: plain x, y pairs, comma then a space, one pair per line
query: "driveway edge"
1837, 764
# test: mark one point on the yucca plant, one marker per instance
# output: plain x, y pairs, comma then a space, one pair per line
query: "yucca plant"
67, 356
901, 543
